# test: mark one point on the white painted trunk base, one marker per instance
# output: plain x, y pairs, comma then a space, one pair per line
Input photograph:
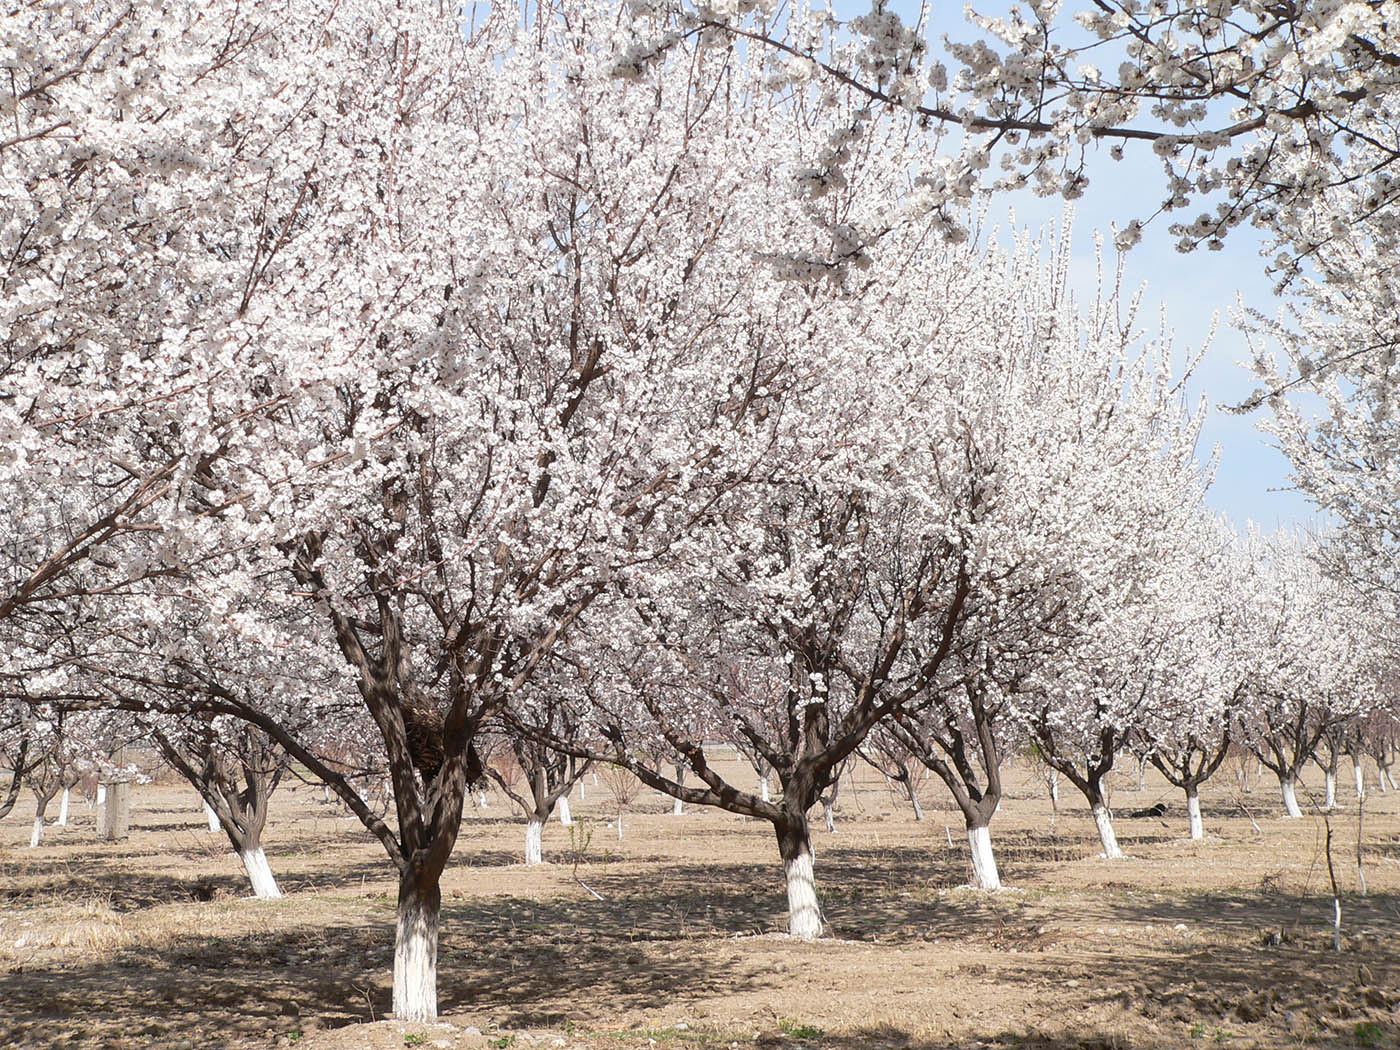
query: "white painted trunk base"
481, 798
918, 809
1359, 776
62, 821
565, 817
415, 964
829, 816
984, 864
1330, 801
1104, 822
36, 834
804, 913
260, 874
211, 818
534, 847
101, 794
677, 807
1290, 797
763, 789
1193, 812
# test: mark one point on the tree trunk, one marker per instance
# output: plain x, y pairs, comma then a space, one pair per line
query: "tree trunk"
1290, 797
1359, 777
260, 874
804, 911
101, 794
115, 822
1104, 822
1193, 812
763, 789
829, 816
534, 849
677, 806
211, 817
36, 833
984, 865
416, 950
1330, 789
1142, 774
62, 821
914, 801
565, 816
481, 796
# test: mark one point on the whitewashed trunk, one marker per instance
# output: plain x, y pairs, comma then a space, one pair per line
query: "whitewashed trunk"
677, 807
619, 827
984, 864
1290, 797
1054, 788
804, 913
1142, 774
210, 817
918, 809
829, 816
534, 848
1360, 778
763, 789
62, 821
36, 834
101, 794
415, 963
1104, 822
1193, 812
481, 797
260, 874
1330, 790
565, 817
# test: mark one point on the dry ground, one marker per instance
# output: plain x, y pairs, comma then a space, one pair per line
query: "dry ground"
1220, 943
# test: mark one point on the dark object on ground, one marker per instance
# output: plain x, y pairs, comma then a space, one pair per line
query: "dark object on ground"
1159, 810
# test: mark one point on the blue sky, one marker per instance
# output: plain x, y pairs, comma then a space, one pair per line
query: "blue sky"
1252, 476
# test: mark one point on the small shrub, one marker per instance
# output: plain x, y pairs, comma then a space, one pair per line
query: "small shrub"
800, 1031
1368, 1033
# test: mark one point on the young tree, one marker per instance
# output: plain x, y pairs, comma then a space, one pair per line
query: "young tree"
235, 767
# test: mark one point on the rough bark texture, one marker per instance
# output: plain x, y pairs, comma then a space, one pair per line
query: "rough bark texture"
566, 816
62, 821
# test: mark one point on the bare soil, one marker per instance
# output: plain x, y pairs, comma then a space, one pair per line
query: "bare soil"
153, 942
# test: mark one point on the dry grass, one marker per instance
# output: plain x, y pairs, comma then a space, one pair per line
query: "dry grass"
1223, 942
